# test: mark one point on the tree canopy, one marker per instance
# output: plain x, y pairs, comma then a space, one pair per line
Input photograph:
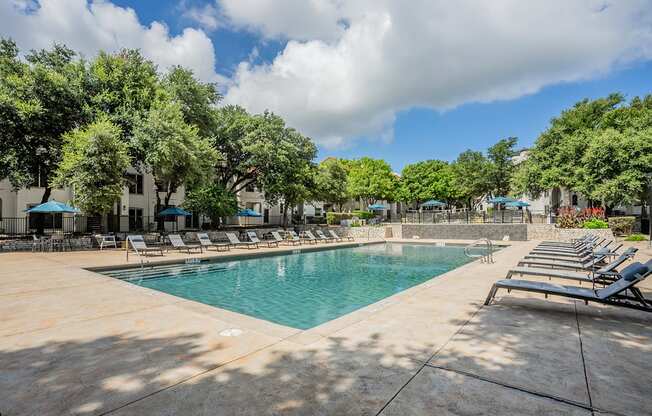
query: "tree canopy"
430, 179
470, 171
331, 182
93, 165
600, 148
371, 180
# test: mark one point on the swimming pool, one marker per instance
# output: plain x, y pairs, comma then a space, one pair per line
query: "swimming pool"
303, 289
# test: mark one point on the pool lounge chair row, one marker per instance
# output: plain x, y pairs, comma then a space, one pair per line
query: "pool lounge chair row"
138, 245
609, 285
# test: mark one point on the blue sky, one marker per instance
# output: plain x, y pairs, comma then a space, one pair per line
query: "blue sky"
372, 77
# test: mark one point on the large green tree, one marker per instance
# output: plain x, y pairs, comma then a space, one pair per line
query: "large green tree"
211, 200
430, 179
331, 182
40, 100
196, 99
597, 147
501, 166
172, 149
94, 162
470, 171
371, 180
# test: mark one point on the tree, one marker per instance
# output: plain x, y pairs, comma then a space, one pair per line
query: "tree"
285, 160
93, 166
501, 166
430, 179
211, 200
331, 182
172, 149
197, 99
124, 86
371, 180
471, 178
40, 100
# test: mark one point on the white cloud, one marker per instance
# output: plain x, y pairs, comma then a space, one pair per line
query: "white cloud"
89, 27
207, 16
341, 81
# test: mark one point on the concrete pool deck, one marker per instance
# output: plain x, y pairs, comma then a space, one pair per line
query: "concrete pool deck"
76, 342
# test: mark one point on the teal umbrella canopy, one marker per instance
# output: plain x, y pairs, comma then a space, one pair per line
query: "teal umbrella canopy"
433, 203
501, 200
175, 212
377, 207
517, 204
53, 207
248, 213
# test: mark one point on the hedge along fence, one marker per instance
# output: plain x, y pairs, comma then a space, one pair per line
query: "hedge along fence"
622, 225
337, 217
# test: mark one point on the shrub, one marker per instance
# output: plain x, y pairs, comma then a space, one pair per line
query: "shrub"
364, 215
335, 218
635, 237
568, 218
622, 225
595, 223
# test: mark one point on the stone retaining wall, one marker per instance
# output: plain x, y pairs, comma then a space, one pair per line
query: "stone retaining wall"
550, 232
515, 232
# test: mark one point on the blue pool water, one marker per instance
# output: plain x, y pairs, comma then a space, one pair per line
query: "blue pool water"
305, 289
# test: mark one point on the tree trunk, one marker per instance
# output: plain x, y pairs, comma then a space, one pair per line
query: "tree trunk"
40, 220
159, 222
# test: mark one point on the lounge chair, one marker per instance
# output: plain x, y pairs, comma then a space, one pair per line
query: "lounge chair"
254, 238
106, 240
309, 236
292, 241
588, 265
235, 242
178, 244
607, 273
586, 248
137, 243
322, 236
615, 294
338, 238
206, 242
294, 235
574, 257
579, 241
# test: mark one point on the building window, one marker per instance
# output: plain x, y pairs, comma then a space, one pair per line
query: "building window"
163, 187
317, 212
135, 219
574, 200
135, 182
250, 188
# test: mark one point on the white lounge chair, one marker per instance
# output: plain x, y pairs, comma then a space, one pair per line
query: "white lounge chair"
206, 242
295, 236
291, 241
254, 238
137, 243
106, 240
178, 244
309, 236
338, 238
235, 242
322, 236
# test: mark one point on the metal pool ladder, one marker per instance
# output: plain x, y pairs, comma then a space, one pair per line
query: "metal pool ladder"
488, 256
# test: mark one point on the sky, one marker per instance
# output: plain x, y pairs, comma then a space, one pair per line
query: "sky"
374, 77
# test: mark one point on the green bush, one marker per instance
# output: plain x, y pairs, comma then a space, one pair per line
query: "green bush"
636, 237
622, 225
335, 218
364, 215
595, 224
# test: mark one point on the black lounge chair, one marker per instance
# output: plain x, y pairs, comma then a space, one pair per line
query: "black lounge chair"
623, 292
573, 257
606, 274
587, 248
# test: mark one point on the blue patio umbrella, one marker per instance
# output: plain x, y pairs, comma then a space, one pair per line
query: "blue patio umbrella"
174, 212
433, 203
248, 212
501, 200
53, 207
377, 207
517, 204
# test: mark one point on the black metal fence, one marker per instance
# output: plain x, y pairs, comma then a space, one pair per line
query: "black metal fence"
474, 217
82, 224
